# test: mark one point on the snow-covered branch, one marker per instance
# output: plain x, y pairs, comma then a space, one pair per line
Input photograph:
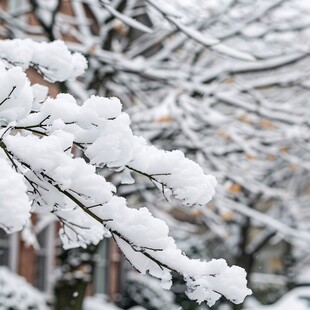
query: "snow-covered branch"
38, 169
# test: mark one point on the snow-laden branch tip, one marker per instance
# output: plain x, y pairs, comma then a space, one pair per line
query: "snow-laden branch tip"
52, 60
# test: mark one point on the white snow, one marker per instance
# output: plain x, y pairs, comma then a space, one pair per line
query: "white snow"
14, 209
16, 293
98, 302
53, 60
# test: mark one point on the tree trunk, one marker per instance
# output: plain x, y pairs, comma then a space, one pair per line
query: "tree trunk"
76, 266
69, 295
244, 259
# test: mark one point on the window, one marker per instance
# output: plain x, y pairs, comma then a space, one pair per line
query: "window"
100, 272
9, 250
4, 248
45, 258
